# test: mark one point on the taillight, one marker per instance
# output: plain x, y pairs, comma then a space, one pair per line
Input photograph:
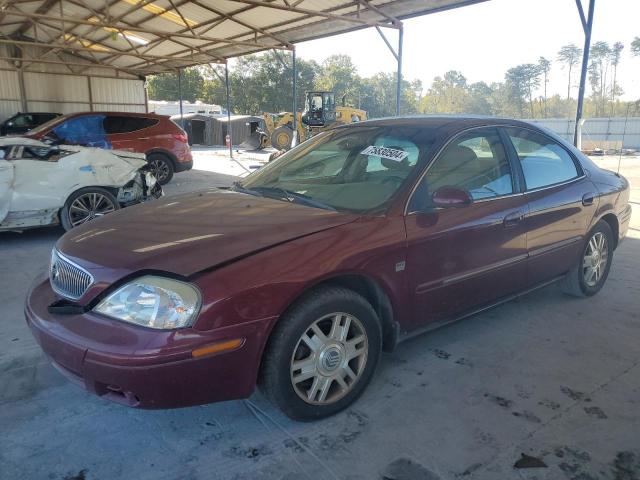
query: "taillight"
181, 137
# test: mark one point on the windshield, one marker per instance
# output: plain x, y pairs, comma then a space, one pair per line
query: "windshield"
355, 169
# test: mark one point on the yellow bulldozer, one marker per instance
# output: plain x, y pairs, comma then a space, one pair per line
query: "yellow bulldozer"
320, 112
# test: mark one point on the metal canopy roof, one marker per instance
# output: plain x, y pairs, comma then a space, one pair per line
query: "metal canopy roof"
154, 36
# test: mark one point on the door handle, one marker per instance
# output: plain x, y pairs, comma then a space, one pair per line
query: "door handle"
513, 219
588, 198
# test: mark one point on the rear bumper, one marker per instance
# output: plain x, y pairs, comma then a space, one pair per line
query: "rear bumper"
183, 166
123, 363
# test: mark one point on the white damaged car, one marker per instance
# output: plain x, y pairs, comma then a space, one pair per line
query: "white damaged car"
43, 184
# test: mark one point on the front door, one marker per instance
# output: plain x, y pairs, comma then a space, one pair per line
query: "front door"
464, 257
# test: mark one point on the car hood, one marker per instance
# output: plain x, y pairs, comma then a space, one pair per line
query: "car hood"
188, 233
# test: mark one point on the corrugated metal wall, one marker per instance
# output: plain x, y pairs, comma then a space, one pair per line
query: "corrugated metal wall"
598, 129
9, 94
67, 93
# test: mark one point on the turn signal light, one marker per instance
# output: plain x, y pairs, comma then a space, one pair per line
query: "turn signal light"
218, 347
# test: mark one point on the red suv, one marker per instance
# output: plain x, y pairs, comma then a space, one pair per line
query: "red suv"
165, 143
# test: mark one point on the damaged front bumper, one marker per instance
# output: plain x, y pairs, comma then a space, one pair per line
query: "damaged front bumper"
142, 188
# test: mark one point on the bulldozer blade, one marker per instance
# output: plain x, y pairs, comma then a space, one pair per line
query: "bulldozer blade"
253, 142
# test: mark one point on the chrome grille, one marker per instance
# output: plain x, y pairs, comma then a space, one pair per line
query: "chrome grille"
67, 278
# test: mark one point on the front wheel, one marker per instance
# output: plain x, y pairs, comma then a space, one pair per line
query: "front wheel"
282, 137
322, 354
591, 270
85, 205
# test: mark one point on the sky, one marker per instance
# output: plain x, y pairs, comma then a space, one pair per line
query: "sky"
483, 41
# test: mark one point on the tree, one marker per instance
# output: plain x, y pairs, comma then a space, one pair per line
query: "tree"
522, 81
448, 94
339, 74
165, 86
635, 47
616, 53
545, 67
598, 70
569, 55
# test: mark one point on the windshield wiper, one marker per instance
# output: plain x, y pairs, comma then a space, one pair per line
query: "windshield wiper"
292, 197
238, 187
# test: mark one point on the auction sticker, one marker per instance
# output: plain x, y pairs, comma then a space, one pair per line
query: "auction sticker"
384, 152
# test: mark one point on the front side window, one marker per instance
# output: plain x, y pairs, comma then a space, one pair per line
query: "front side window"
475, 161
354, 169
544, 162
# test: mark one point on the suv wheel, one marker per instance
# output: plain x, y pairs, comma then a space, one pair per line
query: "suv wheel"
161, 166
322, 354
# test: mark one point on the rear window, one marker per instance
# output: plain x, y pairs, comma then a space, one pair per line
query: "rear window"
122, 124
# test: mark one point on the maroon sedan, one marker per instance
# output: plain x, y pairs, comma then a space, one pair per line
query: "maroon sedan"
299, 276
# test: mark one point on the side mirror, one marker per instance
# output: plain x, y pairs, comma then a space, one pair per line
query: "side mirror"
448, 197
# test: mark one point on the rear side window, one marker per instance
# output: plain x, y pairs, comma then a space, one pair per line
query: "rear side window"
117, 124
544, 161
44, 117
22, 121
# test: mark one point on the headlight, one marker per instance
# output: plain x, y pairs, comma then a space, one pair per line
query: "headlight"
155, 302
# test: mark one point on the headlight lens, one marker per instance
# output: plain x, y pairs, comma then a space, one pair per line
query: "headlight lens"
155, 302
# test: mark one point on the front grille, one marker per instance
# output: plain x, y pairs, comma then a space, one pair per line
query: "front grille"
67, 278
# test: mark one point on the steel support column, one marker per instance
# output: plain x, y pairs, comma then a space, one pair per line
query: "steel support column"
399, 85
398, 56
24, 102
226, 85
180, 95
587, 24
294, 140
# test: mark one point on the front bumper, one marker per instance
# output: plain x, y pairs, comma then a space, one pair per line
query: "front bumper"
140, 367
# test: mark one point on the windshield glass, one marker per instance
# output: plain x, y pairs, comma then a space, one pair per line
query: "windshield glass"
354, 169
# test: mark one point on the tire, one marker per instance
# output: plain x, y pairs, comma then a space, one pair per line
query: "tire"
282, 137
333, 311
161, 166
86, 204
584, 279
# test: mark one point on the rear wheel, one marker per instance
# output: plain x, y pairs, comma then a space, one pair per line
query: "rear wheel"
85, 205
282, 137
161, 166
322, 354
590, 273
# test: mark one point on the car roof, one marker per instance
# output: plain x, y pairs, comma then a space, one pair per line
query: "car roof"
439, 121
118, 114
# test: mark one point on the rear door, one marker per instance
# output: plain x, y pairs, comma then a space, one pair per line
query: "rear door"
561, 201
129, 133
461, 258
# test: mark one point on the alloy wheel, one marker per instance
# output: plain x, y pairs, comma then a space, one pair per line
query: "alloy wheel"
329, 358
88, 206
595, 259
160, 169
